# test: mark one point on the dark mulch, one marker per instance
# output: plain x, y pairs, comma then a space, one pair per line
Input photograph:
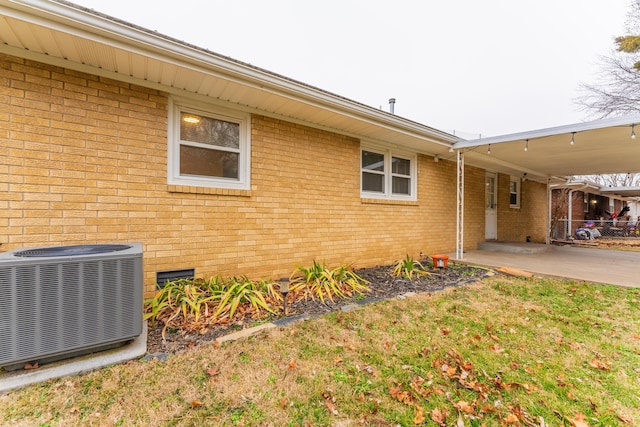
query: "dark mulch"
383, 285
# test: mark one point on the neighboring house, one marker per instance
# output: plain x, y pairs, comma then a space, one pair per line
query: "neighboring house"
578, 201
113, 133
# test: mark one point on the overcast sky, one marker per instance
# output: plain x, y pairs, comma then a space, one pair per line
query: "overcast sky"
488, 67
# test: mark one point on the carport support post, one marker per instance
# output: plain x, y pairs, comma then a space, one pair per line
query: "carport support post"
549, 194
460, 205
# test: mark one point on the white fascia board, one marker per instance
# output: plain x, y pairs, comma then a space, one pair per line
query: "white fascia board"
87, 24
614, 189
559, 130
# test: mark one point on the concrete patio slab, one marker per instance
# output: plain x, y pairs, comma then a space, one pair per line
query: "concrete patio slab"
604, 266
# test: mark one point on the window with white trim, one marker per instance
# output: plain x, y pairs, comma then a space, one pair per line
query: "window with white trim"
208, 146
387, 174
514, 192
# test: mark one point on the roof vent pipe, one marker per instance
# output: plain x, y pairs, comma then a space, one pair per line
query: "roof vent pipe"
392, 102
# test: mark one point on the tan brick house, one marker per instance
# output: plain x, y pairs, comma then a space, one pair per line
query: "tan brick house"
113, 133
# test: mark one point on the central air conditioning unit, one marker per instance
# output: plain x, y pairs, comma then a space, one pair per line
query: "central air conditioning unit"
59, 302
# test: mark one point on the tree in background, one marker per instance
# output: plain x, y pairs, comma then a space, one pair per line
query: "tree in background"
617, 92
614, 180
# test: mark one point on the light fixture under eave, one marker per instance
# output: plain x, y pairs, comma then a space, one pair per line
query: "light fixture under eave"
191, 119
633, 131
526, 145
489, 149
573, 135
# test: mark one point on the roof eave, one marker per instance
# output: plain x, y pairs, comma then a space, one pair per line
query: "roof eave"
87, 23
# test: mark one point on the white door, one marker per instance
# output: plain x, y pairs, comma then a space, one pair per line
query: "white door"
490, 215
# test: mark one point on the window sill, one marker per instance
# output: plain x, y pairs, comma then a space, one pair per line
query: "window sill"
369, 201
208, 190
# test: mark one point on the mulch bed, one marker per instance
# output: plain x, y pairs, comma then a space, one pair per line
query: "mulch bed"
383, 285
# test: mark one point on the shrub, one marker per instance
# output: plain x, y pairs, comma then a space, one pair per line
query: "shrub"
320, 281
408, 267
192, 304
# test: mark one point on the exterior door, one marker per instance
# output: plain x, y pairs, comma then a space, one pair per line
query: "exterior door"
490, 214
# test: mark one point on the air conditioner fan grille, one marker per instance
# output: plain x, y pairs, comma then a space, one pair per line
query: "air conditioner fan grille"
70, 250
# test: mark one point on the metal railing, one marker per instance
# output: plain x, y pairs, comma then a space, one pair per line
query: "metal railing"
595, 229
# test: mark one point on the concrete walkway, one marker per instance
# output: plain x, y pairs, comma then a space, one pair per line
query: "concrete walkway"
605, 266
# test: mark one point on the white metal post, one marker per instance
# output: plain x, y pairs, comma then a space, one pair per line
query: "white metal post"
548, 238
460, 205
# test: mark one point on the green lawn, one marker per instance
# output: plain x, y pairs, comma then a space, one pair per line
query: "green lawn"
502, 352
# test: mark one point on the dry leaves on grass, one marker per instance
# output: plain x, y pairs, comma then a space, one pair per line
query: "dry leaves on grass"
453, 367
599, 364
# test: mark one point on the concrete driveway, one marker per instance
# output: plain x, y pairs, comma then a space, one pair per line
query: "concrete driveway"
605, 266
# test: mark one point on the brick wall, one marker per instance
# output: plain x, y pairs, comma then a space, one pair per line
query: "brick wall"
530, 219
85, 161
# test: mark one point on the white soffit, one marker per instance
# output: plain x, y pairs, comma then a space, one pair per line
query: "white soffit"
67, 35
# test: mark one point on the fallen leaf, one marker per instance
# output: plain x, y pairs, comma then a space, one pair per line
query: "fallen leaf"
74, 410
467, 366
445, 331
574, 346
419, 418
598, 364
465, 407
511, 419
494, 337
570, 395
530, 388
283, 403
337, 361
330, 403
292, 365
196, 404
212, 372
624, 419
579, 420
496, 348
216, 344
439, 416
28, 366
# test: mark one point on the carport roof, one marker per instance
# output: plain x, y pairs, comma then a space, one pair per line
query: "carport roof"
600, 147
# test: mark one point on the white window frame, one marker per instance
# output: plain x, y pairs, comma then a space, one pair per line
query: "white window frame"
389, 154
176, 107
515, 180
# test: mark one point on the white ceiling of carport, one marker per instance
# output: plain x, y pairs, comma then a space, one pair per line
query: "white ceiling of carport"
600, 147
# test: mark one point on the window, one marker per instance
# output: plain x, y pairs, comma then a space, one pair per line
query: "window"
386, 174
208, 147
585, 202
514, 192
